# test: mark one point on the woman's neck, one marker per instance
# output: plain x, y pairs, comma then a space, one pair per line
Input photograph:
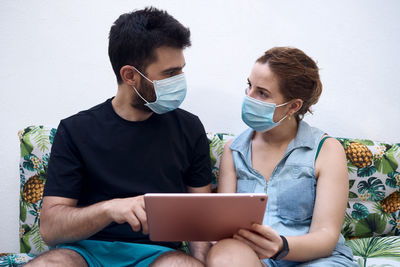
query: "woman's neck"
280, 135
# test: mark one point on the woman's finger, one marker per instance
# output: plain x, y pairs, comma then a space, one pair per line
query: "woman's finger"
266, 231
261, 253
261, 245
255, 238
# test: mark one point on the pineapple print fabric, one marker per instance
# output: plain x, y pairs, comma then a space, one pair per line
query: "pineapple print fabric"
35, 145
372, 221
374, 181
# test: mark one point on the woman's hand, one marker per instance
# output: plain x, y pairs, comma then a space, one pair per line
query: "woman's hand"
265, 241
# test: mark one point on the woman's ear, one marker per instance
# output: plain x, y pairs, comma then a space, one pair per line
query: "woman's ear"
295, 106
129, 75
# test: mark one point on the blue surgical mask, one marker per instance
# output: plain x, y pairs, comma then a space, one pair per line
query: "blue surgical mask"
170, 93
258, 115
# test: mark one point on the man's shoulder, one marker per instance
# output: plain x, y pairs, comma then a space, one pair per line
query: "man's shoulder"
188, 123
185, 115
85, 118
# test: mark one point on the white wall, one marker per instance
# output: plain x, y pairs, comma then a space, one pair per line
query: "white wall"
54, 63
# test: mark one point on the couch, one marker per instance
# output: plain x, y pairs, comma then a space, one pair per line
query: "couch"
371, 225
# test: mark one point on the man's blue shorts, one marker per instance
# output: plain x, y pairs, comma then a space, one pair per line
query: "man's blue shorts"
104, 253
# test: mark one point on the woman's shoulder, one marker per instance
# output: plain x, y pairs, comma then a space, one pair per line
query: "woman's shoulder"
243, 139
332, 144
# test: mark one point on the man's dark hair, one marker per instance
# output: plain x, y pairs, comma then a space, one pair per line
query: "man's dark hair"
135, 36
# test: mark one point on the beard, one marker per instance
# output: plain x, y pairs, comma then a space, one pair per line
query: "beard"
146, 90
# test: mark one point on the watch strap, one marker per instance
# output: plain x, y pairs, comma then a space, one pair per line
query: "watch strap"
285, 250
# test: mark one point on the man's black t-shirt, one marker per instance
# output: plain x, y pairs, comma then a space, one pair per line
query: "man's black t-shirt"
97, 155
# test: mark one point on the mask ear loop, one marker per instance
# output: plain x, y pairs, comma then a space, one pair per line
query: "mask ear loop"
143, 75
283, 118
147, 102
140, 95
286, 114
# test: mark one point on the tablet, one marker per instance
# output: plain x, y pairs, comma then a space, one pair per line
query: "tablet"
200, 216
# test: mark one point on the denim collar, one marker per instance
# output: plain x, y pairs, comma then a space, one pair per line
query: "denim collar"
303, 138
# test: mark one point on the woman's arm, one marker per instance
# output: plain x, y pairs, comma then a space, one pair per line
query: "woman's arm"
330, 205
329, 210
227, 174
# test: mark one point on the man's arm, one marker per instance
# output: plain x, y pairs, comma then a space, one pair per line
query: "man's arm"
61, 221
199, 250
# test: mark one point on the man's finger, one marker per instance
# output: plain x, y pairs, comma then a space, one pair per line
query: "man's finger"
133, 222
142, 217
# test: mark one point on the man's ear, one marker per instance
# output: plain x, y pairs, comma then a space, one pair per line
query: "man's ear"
129, 75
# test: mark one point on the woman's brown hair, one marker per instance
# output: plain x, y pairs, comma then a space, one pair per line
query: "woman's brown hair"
297, 75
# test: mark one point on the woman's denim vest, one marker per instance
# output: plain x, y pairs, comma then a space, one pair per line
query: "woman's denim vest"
292, 185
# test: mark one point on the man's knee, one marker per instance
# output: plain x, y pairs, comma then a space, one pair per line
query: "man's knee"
176, 259
58, 257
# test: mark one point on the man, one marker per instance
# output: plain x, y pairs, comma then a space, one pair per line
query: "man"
104, 159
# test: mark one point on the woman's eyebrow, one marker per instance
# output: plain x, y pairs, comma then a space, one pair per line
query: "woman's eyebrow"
259, 87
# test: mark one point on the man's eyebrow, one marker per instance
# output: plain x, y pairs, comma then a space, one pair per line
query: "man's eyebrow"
173, 69
258, 87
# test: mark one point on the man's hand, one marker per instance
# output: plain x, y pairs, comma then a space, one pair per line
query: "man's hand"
61, 221
129, 210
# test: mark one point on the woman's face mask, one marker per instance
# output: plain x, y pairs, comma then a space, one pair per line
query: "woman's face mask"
170, 93
259, 115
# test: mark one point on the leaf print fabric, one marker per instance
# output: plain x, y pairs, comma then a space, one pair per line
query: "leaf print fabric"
373, 177
35, 145
371, 224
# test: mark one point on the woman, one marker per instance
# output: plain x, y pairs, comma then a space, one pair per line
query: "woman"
302, 170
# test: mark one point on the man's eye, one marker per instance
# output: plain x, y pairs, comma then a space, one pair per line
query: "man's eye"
170, 73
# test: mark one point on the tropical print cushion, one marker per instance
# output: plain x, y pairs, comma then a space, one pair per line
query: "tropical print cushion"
376, 251
35, 145
373, 208
14, 259
217, 143
374, 180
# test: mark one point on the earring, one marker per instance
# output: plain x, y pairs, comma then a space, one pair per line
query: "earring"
290, 117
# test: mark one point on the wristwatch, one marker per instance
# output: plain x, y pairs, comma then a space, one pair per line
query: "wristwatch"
285, 250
